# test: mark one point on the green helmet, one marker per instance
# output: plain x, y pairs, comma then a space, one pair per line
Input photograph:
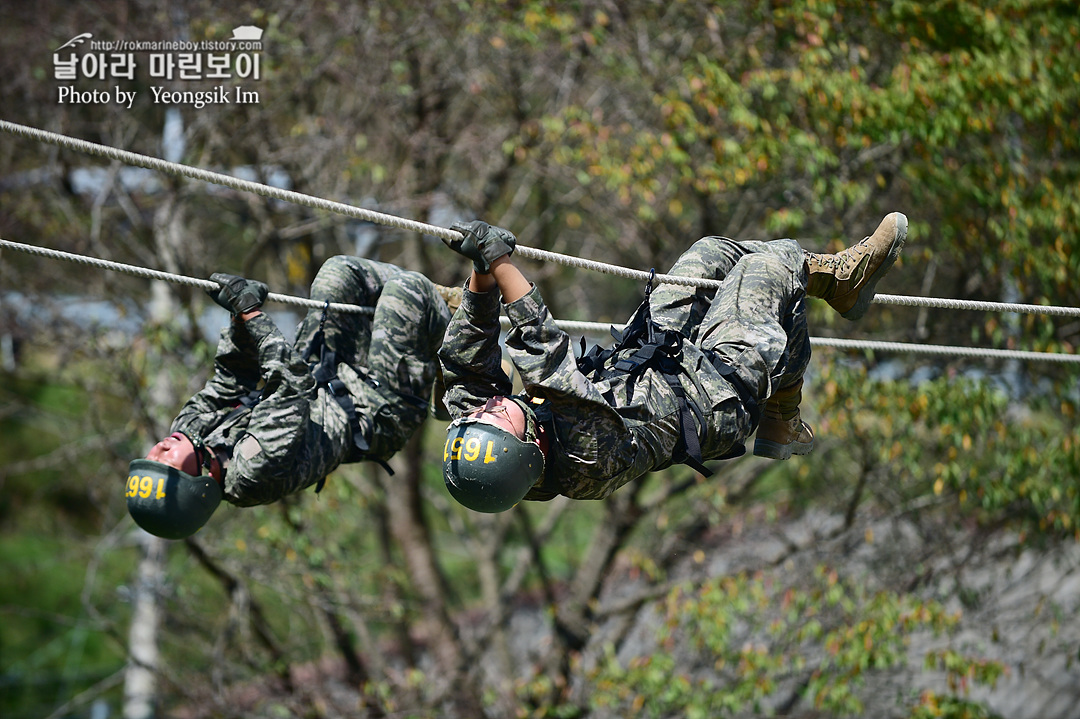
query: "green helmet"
167, 502
488, 469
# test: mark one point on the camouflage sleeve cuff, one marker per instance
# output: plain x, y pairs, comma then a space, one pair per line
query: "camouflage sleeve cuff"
190, 425
482, 306
529, 310
259, 326
271, 344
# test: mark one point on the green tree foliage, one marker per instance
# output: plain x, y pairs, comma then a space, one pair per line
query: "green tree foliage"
803, 116
821, 639
965, 442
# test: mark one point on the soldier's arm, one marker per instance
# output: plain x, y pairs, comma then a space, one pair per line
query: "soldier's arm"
268, 459
543, 355
505, 275
470, 355
236, 374
602, 443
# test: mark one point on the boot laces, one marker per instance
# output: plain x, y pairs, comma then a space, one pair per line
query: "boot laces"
839, 260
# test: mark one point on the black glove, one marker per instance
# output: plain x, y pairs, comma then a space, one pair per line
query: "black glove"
482, 243
236, 294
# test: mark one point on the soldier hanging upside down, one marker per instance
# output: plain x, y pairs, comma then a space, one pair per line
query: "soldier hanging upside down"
276, 418
693, 375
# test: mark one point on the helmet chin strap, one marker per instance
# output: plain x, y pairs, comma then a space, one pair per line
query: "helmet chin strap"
532, 427
204, 458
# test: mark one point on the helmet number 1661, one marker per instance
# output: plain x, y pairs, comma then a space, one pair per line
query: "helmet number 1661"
144, 487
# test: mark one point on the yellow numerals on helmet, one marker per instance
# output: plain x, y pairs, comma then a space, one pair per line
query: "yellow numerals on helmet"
457, 449
144, 486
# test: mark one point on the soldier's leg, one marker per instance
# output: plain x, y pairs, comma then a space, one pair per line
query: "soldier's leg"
348, 280
683, 308
409, 323
757, 325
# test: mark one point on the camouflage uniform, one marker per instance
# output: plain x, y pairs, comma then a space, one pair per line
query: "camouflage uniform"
615, 429
297, 432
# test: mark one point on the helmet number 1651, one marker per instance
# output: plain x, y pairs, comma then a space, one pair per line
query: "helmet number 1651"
454, 449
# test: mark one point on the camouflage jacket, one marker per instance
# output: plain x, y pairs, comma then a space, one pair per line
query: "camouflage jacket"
607, 432
294, 436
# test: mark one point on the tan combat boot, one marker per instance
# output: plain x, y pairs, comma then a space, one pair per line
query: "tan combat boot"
847, 279
782, 432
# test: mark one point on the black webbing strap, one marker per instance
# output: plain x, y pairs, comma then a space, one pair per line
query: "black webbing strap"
245, 403
325, 374
540, 408
203, 454
741, 388
659, 349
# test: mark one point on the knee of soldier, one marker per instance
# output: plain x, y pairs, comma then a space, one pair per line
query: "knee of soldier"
710, 245
331, 277
410, 286
765, 263
336, 266
791, 252
344, 278
768, 269
712, 256
412, 298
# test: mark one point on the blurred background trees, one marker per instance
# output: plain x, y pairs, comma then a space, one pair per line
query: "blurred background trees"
922, 562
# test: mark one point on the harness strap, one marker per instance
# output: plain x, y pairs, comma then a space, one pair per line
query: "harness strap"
244, 404
741, 388
688, 449
658, 348
549, 482
325, 374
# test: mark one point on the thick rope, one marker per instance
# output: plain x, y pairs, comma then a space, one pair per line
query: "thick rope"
599, 329
217, 178
942, 350
531, 253
318, 203
947, 303
572, 327
168, 276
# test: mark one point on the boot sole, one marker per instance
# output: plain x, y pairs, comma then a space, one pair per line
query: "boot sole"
774, 450
866, 295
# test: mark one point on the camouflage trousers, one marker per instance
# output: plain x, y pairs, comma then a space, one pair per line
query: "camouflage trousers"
394, 350
756, 321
